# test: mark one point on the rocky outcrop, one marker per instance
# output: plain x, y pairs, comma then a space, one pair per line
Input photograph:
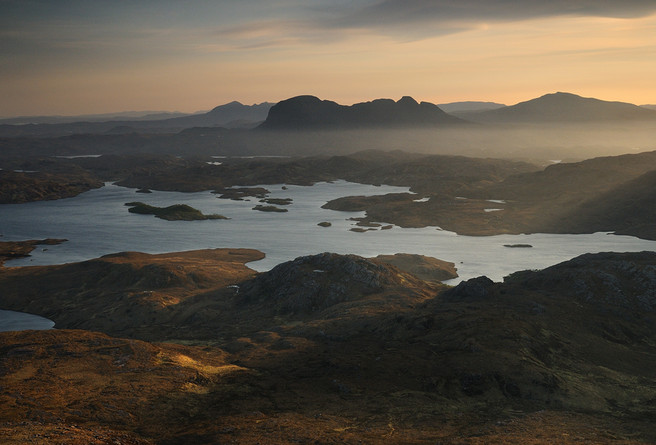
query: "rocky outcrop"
619, 280
424, 267
316, 282
474, 289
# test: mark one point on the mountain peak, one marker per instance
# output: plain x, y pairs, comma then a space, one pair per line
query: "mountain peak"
233, 104
407, 100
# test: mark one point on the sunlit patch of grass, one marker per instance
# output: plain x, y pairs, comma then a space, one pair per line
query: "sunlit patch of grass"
188, 362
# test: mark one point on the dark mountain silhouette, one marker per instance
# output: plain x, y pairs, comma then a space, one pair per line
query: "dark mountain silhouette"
649, 106
566, 107
311, 112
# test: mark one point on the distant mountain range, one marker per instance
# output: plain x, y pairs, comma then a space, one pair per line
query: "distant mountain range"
104, 117
230, 115
463, 108
311, 112
565, 108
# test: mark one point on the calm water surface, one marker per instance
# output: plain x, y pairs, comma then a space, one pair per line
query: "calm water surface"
19, 321
97, 223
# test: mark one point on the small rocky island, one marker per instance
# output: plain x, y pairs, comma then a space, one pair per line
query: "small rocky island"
269, 208
176, 212
277, 201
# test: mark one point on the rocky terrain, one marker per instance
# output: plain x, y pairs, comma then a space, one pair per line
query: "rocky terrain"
424, 267
194, 347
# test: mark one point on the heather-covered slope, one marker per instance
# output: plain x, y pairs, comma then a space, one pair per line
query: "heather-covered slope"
333, 348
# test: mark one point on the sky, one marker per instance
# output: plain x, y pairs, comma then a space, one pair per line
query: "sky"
72, 57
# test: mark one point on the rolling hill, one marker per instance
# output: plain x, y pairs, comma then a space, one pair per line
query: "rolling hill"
328, 349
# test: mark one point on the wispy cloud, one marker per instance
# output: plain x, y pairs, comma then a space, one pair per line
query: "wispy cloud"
403, 12
438, 17
406, 20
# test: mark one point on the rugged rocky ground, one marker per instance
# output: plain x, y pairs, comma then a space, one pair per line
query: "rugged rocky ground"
329, 349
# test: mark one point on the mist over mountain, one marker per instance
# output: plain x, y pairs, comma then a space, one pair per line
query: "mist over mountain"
224, 115
230, 115
649, 106
565, 108
461, 109
311, 112
102, 117
558, 126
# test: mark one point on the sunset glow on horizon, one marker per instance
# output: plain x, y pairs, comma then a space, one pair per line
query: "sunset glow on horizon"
79, 57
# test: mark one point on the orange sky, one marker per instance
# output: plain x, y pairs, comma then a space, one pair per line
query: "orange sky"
72, 60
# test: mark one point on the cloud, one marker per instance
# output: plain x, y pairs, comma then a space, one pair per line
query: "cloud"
39, 27
406, 20
408, 12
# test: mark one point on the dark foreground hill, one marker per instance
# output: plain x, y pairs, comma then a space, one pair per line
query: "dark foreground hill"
565, 355
309, 112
